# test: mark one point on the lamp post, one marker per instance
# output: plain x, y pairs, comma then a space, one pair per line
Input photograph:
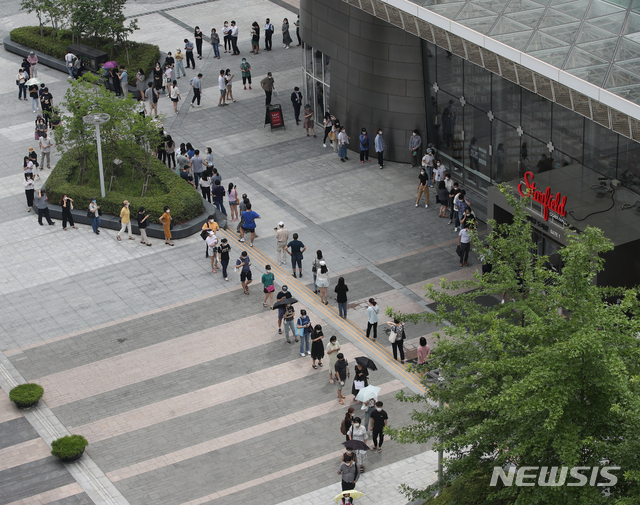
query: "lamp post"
97, 119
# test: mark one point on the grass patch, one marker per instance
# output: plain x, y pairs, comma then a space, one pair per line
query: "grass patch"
25, 395
69, 446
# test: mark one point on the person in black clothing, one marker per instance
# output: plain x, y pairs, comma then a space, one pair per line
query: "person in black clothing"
341, 292
65, 203
360, 374
268, 33
296, 101
342, 373
285, 293
223, 256
157, 77
452, 194
115, 81
197, 34
143, 220
378, 421
46, 104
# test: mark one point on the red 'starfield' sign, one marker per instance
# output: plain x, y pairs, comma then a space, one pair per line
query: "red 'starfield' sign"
548, 201
276, 118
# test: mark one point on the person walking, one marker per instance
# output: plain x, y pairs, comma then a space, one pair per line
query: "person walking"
67, 206
249, 223
21, 78
379, 419
45, 150
365, 144
308, 123
282, 238
188, 50
226, 35
289, 314
464, 245
359, 432
233, 33
333, 349
303, 326
180, 64
94, 213
380, 146
342, 374
423, 188
396, 337
372, 318
244, 263
349, 471
43, 208
296, 101
125, 220
143, 221
215, 43
317, 347
282, 295
166, 219
322, 281
343, 140
296, 253
341, 290
232, 192
268, 34
175, 98
245, 70
197, 35
228, 77
267, 282
33, 61
196, 85
205, 186
212, 249
267, 85
286, 38
222, 86
29, 190
414, 147
223, 255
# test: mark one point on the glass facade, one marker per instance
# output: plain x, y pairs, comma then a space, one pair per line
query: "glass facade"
316, 81
489, 130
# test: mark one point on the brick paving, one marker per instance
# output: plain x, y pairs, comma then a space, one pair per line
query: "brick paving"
182, 384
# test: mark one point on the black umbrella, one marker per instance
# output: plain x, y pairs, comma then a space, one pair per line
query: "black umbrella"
356, 445
284, 302
366, 362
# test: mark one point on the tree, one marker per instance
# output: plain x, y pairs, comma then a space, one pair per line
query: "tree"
550, 379
37, 6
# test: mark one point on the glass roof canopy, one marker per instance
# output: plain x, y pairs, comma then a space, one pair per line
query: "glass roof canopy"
595, 40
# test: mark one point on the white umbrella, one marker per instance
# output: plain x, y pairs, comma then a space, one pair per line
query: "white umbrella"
366, 393
33, 81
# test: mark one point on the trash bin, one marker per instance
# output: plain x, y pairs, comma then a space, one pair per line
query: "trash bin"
274, 116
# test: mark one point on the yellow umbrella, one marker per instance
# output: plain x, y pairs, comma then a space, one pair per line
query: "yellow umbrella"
353, 494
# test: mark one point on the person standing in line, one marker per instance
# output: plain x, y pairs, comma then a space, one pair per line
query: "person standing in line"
398, 336
196, 84
180, 64
94, 210
267, 85
282, 237
208, 161
438, 173
283, 294
322, 281
428, 163
308, 123
361, 377
170, 62
349, 471
166, 219
317, 347
212, 249
188, 49
170, 150
45, 150
249, 224
297, 25
334, 133
453, 194
152, 96
234, 37
140, 84
245, 70
372, 318
115, 81
268, 33
215, 43
46, 104
333, 349
70, 59
143, 220
29, 190
314, 269
205, 186
342, 374
222, 86
267, 282
125, 219
423, 188
380, 147
296, 101
379, 419
423, 351
167, 78
464, 244
289, 314
359, 432
286, 38
43, 208
232, 193
226, 35
21, 78
296, 253
343, 140
223, 256
197, 167
303, 331
35, 98
228, 77
29, 167
341, 290
245, 273
33, 61
218, 199
364, 145
197, 35
124, 80
328, 126
443, 198
348, 416
255, 37
414, 147
460, 204
67, 206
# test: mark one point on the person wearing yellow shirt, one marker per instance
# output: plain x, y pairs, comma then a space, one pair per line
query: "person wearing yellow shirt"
125, 219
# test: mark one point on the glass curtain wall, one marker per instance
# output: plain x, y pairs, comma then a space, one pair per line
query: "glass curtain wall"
316, 82
489, 130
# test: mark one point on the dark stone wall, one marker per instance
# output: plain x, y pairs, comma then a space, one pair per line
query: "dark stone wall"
376, 73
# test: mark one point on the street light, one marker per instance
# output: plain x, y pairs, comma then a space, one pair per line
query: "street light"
97, 119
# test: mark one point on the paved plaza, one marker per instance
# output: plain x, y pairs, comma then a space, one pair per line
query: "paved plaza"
181, 383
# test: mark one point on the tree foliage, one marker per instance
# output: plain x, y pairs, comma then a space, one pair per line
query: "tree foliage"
548, 379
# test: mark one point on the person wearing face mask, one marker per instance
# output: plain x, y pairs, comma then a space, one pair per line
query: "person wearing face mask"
197, 35
349, 471
67, 205
245, 71
157, 77
427, 162
414, 147
226, 35
268, 33
165, 219
438, 173
380, 147
125, 219
379, 420
359, 432
423, 188
342, 373
212, 243
180, 64
364, 146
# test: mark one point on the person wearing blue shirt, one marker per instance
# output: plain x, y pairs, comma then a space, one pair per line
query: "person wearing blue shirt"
218, 200
380, 147
364, 146
249, 224
295, 248
188, 46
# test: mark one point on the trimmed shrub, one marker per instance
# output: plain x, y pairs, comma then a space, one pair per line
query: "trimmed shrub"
166, 188
68, 447
141, 55
26, 395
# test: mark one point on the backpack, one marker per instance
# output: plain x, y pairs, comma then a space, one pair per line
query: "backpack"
343, 426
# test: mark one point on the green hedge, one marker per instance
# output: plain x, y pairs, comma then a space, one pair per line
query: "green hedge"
166, 188
26, 394
141, 55
69, 446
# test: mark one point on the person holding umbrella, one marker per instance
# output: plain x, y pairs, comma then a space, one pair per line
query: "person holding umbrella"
359, 433
360, 379
347, 497
317, 347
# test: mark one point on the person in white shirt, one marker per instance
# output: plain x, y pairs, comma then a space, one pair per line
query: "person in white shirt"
438, 173
268, 33
175, 96
70, 58
29, 189
226, 34
45, 150
222, 85
427, 163
212, 242
234, 37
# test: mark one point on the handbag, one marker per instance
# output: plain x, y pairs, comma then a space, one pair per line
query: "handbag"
90, 214
332, 135
459, 251
393, 336
204, 234
358, 384
271, 289
300, 332
37, 135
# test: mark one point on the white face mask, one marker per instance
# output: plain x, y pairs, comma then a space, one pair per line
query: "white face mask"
379, 409
357, 425
415, 134
211, 220
168, 211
